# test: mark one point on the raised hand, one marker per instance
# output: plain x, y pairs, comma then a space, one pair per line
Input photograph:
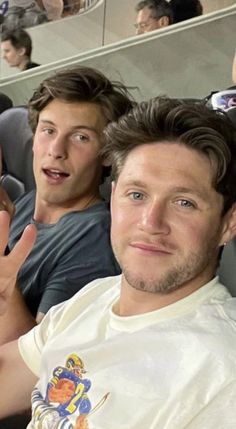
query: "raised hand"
11, 263
5, 203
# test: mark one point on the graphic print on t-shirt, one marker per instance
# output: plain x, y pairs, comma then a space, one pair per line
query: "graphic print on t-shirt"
66, 394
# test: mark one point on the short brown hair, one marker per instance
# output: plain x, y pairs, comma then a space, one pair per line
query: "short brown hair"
19, 39
191, 124
158, 8
81, 84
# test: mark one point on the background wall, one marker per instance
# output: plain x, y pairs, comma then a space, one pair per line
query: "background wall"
108, 22
189, 59
212, 5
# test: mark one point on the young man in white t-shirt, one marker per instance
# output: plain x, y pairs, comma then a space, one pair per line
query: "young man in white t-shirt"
156, 347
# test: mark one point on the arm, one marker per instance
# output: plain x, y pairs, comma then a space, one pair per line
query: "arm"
5, 203
53, 8
17, 381
9, 267
17, 320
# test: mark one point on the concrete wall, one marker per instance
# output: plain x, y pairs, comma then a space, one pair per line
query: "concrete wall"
108, 22
187, 60
213, 5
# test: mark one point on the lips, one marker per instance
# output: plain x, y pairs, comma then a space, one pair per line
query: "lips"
54, 173
150, 248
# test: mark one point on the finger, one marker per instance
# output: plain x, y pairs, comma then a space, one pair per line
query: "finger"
4, 230
5, 202
24, 246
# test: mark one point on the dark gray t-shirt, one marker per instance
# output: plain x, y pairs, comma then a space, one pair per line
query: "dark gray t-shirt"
66, 256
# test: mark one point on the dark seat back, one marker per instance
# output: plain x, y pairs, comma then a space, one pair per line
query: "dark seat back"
227, 269
5, 102
16, 143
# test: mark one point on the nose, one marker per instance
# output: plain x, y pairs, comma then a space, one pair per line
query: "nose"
58, 148
154, 219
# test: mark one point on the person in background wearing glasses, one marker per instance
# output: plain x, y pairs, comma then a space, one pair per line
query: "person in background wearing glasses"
152, 15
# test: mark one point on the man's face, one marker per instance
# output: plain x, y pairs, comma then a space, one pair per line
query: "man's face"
67, 141
166, 218
10, 54
145, 22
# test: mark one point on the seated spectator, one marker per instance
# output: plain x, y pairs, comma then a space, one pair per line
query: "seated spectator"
152, 15
154, 348
185, 9
16, 47
67, 114
22, 13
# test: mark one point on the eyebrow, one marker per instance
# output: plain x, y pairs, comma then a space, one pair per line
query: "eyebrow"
74, 127
200, 194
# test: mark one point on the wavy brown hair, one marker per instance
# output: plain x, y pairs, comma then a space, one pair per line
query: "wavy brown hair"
169, 120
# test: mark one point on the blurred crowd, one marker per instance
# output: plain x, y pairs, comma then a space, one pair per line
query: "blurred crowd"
27, 13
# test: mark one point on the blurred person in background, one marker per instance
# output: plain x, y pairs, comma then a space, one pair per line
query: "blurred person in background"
152, 15
27, 13
16, 49
21, 14
185, 9
53, 8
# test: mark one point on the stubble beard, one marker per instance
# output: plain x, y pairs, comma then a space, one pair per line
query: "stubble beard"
176, 277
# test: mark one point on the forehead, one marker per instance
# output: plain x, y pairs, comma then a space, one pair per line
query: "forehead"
74, 113
167, 162
144, 14
7, 45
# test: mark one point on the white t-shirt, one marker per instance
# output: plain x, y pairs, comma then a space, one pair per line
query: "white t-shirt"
174, 368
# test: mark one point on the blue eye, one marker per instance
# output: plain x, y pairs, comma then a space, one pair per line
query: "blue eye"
185, 203
136, 196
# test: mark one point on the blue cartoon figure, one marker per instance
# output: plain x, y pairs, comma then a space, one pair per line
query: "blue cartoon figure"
67, 390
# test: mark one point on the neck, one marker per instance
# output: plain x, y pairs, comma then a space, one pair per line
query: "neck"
133, 302
23, 64
50, 213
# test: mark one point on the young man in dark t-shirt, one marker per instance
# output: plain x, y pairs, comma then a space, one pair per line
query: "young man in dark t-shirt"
67, 114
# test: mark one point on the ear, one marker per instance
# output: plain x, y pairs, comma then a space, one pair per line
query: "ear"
164, 21
229, 226
22, 51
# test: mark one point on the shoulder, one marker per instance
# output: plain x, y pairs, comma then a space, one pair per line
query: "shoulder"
31, 65
89, 218
100, 293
